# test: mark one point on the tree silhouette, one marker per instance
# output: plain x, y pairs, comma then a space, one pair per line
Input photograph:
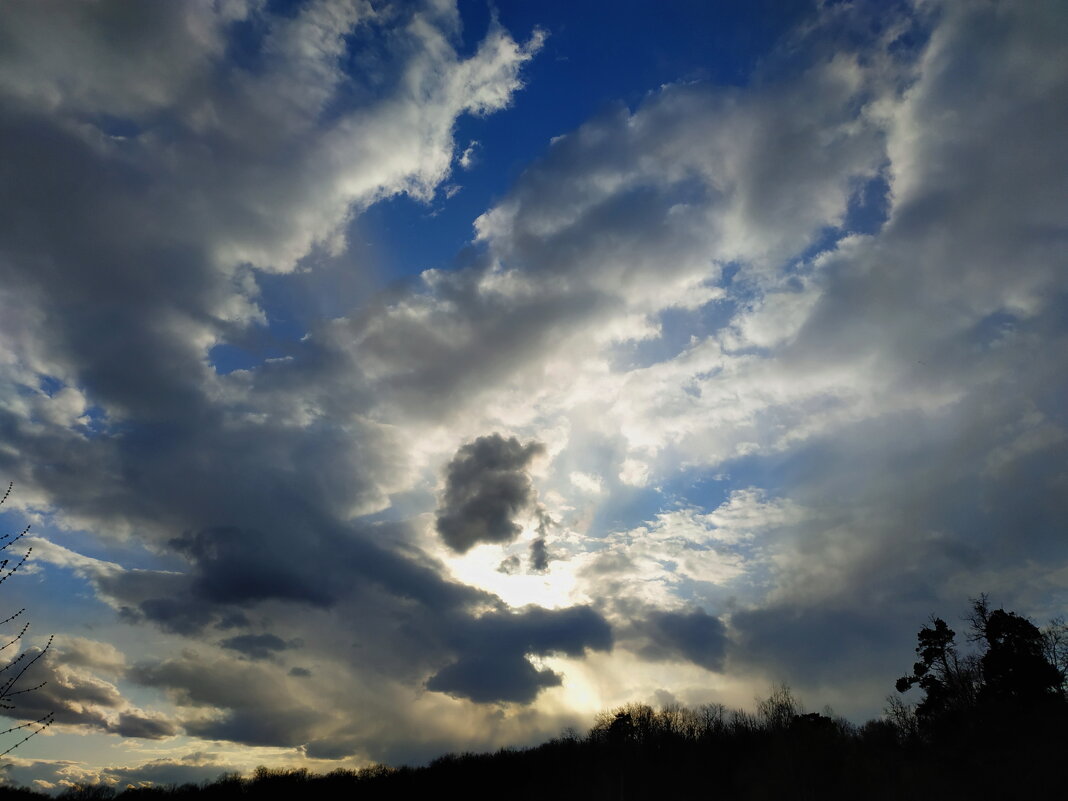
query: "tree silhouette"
1015, 667
15, 669
1055, 649
1012, 675
948, 679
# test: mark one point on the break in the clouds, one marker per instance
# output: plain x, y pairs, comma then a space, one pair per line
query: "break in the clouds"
719, 383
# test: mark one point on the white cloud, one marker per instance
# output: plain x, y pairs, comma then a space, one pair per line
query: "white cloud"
469, 157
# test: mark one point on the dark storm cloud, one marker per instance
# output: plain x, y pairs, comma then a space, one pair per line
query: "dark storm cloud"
235, 568
333, 564
258, 703
493, 664
859, 584
825, 642
169, 600
494, 677
255, 707
695, 636
259, 726
535, 630
539, 555
133, 725
258, 646
173, 615
486, 486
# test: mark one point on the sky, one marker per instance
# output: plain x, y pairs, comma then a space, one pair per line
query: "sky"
381, 379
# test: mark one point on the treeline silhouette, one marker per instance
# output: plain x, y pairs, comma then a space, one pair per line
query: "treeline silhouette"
992, 723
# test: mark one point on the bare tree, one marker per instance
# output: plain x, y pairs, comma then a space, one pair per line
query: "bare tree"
1055, 648
15, 669
779, 709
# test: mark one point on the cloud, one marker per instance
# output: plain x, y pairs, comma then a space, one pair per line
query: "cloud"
287, 727
496, 677
85, 653
230, 699
539, 556
493, 678
149, 728
189, 274
712, 556
257, 646
493, 665
66, 686
54, 775
486, 486
695, 636
234, 569
510, 565
144, 58
469, 157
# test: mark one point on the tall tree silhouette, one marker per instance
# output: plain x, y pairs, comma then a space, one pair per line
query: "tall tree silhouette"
1008, 676
948, 678
1015, 667
17, 665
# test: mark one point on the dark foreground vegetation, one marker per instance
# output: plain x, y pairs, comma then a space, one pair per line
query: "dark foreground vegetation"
992, 723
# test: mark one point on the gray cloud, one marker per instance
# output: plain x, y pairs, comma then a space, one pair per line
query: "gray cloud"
695, 636
486, 486
539, 555
173, 615
249, 702
509, 566
266, 726
258, 646
149, 728
493, 664
493, 677
66, 686
76, 698
856, 582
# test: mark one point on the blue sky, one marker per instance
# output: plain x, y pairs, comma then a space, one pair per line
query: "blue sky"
640, 351
589, 64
